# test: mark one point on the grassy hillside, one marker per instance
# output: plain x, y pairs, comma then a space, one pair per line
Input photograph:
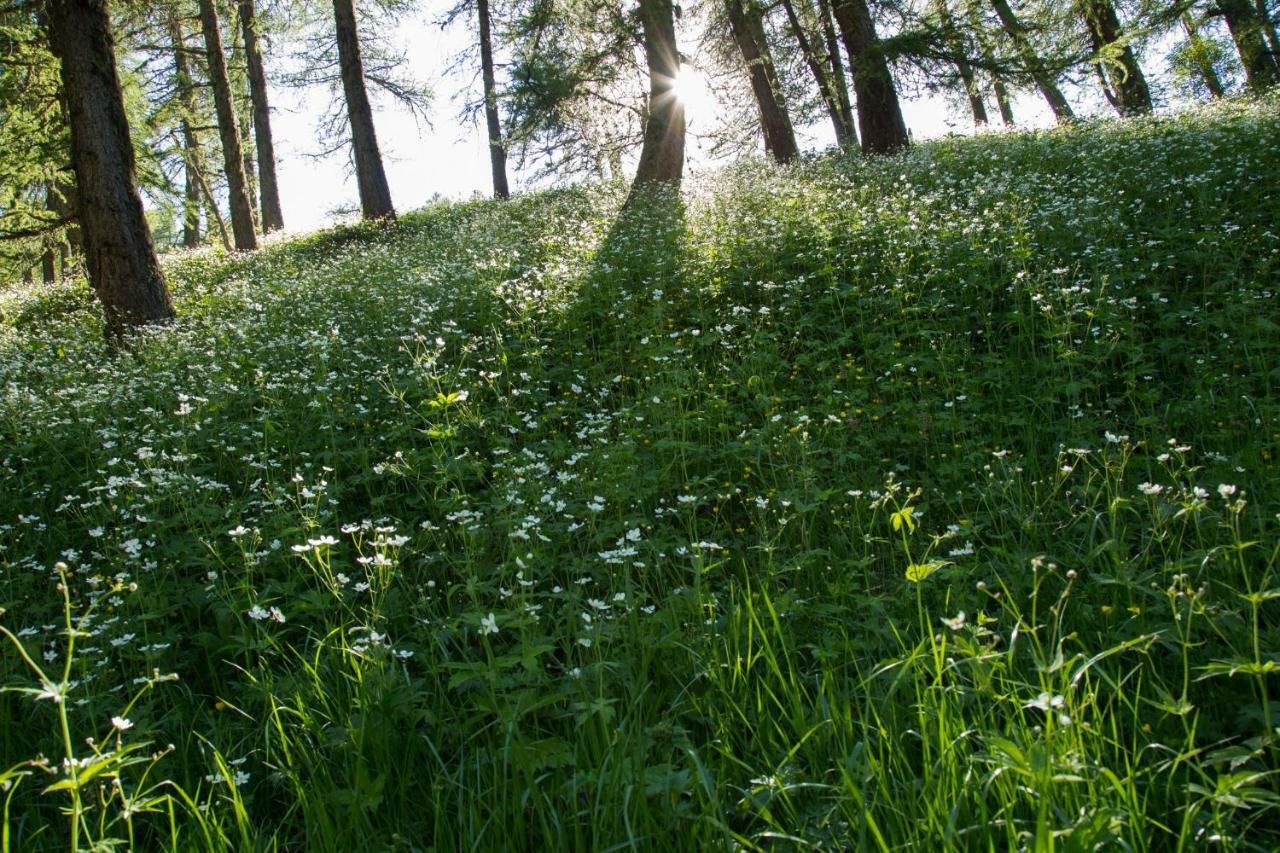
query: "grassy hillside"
924, 500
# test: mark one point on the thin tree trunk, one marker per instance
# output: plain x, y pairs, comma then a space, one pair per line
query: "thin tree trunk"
879, 113
120, 255
983, 39
268, 185
493, 124
1269, 29
190, 142
1128, 84
232, 153
1203, 61
48, 257
747, 25
969, 80
1112, 98
1044, 80
211, 206
662, 154
1246, 31
971, 90
837, 70
1002, 100
821, 75
371, 179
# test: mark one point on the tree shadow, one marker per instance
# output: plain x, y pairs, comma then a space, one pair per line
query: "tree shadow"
635, 276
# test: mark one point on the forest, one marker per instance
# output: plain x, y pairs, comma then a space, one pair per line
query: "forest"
751, 463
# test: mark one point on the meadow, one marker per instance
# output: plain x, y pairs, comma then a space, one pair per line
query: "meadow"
863, 504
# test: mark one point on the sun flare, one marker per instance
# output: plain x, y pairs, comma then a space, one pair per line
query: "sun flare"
693, 92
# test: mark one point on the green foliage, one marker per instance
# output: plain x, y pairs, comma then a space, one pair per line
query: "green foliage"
925, 501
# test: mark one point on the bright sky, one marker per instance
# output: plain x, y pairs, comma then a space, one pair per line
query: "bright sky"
450, 159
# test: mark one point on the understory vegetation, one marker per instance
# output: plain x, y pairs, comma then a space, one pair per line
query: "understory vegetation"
859, 504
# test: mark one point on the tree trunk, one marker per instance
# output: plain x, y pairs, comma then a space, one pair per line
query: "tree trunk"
1246, 28
837, 70
879, 113
51, 240
821, 74
662, 155
1044, 80
1127, 81
268, 186
211, 208
232, 152
1203, 61
119, 252
1269, 29
1002, 101
190, 142
1105, 84
747, 23
371, 179
497, 152
955, 45
971, 90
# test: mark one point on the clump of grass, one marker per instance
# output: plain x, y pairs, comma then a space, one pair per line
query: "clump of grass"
925, 500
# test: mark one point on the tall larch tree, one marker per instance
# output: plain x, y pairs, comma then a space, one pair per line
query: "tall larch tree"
746, 22
492, 121
662, 152
879, 113
242, 224
184, 92
830, 86
268, 185
836, 66
1201, 56
1043, 77
1247, 29
954, 42
371, 178
1128, 83
119, 253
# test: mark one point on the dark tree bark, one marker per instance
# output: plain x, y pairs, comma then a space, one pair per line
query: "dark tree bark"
1002, 100
119, 252
837, 70
974, 94
967, 77
268, 186
190, 142
371, 179
746, 20
1246, 27
1128, 84
821, 74
1044, 79
48, 257
662, 155
1212, 81
242, 225
983, 39
497, 151
1269, 29
879, 113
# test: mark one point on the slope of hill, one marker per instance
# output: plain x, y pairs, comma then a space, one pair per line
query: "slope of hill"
923, 500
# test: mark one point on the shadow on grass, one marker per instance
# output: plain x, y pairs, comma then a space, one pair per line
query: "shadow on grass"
635, 274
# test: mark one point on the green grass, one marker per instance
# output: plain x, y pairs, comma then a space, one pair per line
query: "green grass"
865, 504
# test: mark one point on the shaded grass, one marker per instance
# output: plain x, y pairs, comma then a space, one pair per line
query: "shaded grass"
926, 500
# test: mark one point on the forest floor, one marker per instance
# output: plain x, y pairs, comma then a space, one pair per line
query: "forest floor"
928, 500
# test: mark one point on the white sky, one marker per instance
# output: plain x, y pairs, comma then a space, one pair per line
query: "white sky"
450, 159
